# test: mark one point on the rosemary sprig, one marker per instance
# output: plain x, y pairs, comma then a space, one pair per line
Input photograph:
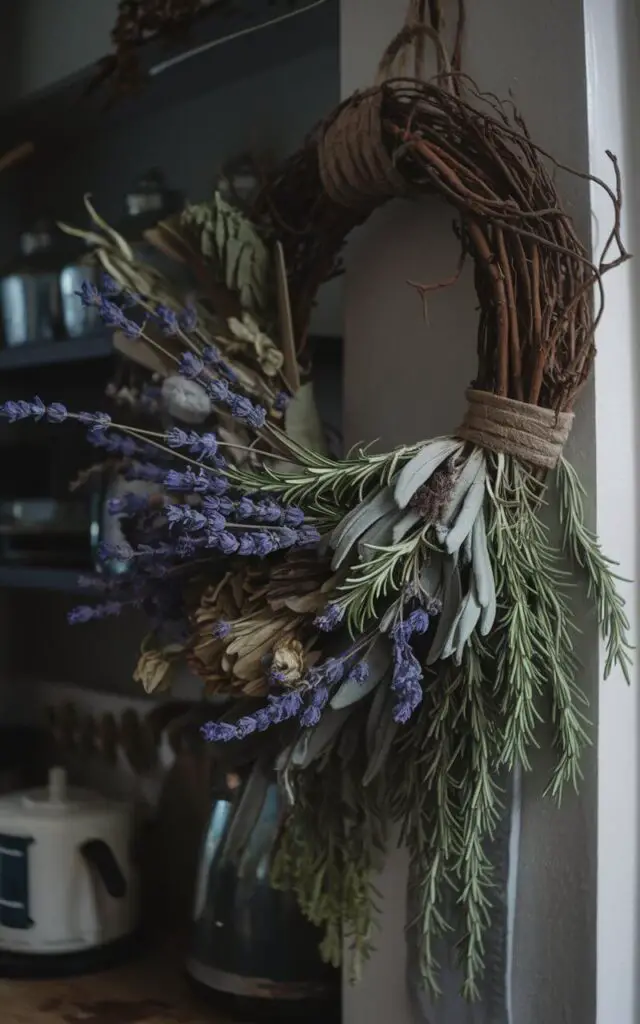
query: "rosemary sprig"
320, 479
535, 656
584, 547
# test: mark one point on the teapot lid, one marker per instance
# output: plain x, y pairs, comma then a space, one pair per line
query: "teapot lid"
57, 799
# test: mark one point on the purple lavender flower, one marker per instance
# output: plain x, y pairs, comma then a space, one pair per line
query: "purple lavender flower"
89, 294
56, 412
281, 401
204, 446
129, 504
286, 537
86, 613
293, 516
219, 732
268, 511
109, 286
191, 366
220, 629
188, 319
98, 419
177, 438
215, 522
211, 355
167, 319
359, 673
257, 417
36, 409
240, 407
227, 543
217, 390
407, 676
186, 517
310, 717
218, 503
330, 618
247, 544
308, 536
83, 613
264, 543
279, 709
245, 509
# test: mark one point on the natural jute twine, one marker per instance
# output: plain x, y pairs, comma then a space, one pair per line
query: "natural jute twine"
502, 425
355, 168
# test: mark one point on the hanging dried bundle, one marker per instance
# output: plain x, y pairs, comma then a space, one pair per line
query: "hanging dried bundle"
414, 669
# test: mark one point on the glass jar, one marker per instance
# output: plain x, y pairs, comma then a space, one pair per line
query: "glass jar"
30, 290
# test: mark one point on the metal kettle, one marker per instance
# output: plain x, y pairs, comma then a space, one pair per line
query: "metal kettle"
250, 946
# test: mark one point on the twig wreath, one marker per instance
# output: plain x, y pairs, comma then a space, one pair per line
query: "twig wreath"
399, 621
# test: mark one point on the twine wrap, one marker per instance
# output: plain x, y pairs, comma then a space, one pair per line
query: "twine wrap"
531, 433
355, 168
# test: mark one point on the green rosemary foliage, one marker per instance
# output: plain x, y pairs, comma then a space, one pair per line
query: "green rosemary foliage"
584, 548
535, 656
332, 845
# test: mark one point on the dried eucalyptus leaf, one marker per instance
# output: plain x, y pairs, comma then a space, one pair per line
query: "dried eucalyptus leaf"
421, 467
378, 659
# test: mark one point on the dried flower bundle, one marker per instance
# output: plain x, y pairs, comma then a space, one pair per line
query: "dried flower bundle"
404, 614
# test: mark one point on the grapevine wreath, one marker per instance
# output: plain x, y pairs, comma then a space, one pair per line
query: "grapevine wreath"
396, 623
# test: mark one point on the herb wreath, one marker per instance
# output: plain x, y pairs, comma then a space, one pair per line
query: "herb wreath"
399, 619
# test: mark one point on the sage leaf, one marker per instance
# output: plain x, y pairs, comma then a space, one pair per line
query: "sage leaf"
471, 508
351, 528
385, 735
451, 600
422, 466
315, 742
462, 483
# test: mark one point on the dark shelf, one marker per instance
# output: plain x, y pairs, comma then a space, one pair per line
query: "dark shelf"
26, 577
241, 39
76, 351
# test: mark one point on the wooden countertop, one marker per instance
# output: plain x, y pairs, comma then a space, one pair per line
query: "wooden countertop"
149, 990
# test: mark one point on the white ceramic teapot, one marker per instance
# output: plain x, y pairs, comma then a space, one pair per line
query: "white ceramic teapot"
67, 880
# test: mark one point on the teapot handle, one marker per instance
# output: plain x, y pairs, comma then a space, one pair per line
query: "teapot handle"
101, 857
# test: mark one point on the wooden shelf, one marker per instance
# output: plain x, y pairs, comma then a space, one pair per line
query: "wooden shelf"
27, 577
240, 39
52, 353
150, 990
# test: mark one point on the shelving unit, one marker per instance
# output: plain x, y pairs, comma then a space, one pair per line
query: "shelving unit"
230, 41
74, 351
27, 577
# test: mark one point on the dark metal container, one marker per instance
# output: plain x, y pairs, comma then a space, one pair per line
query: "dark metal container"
251, 948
